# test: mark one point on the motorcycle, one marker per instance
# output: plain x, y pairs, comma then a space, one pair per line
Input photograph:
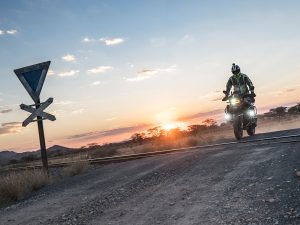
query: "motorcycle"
241, 112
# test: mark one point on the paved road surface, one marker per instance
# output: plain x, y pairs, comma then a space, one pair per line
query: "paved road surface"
238, 184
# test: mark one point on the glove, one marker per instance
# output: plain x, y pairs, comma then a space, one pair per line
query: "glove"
225, 98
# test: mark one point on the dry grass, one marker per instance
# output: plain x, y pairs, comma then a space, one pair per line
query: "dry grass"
75, 168
69, 158
271, 124
17, 185
213, 136
181, 142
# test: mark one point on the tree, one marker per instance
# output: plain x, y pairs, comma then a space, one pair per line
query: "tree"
156, 132
195, 129
210, 122
93, 146
294, 109
138, 137
279, 111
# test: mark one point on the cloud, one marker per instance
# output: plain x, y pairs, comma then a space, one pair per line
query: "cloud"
214, 95
112, 132
63, 102
291, 90
168, 69
138, 78
68, 58
100, 69
8, 32
148, 73
51, 72
112, 41
68, 73
10, 128
280, 93
58, 113
88, 40
142, 75
202, 115
77, 112
11, 32
96, 83
105, 41
3, 111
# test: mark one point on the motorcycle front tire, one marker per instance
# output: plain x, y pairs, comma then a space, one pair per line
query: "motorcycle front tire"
238, 127
251, 131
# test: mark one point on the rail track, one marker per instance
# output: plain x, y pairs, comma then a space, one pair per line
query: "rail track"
253, 142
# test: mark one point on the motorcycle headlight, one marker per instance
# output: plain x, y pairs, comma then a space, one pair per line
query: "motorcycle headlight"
251, 113
234, 101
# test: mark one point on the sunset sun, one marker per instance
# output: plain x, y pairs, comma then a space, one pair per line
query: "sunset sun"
169, 126
173, 125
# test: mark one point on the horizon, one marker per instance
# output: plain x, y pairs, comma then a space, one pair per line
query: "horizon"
119, 67
125, 133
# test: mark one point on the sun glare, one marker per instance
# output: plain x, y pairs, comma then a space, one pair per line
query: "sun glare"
170, 126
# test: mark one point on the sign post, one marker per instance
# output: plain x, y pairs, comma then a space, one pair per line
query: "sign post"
33, 78
42, 139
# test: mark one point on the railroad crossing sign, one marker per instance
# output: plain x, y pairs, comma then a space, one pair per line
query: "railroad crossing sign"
35, 112
33, 78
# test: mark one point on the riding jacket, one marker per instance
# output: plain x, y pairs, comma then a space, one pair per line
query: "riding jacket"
240, 83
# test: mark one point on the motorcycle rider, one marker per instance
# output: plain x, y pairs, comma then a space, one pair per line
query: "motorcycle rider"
240, 83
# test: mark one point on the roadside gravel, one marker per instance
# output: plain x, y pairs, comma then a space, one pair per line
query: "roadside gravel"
243, 184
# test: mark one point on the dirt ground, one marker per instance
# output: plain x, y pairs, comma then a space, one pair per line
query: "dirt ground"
237, 184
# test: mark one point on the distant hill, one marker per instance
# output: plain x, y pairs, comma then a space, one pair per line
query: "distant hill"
55, 150
7, 156
59, 150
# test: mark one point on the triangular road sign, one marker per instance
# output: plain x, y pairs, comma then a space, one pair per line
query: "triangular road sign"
33, 77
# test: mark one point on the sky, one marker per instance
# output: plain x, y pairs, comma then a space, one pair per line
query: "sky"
119, 67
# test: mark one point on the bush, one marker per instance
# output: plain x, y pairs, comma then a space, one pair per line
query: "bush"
190, 142
75, 168
17, 185
29, 158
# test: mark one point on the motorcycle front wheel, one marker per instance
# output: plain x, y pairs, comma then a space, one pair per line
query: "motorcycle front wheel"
238, 127
251, 131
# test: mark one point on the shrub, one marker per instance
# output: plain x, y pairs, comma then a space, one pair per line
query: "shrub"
190, 142
29, 158
17, 185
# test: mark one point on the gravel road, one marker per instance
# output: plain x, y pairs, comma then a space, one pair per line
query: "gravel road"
237, 184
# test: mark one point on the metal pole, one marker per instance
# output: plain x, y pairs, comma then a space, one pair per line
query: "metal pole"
42, 139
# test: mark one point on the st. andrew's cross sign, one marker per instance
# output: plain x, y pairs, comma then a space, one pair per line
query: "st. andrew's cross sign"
33, 78
35, 112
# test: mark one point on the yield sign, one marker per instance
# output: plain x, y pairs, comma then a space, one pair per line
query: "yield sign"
32, 78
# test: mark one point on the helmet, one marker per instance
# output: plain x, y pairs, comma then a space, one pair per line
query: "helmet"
235, 69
